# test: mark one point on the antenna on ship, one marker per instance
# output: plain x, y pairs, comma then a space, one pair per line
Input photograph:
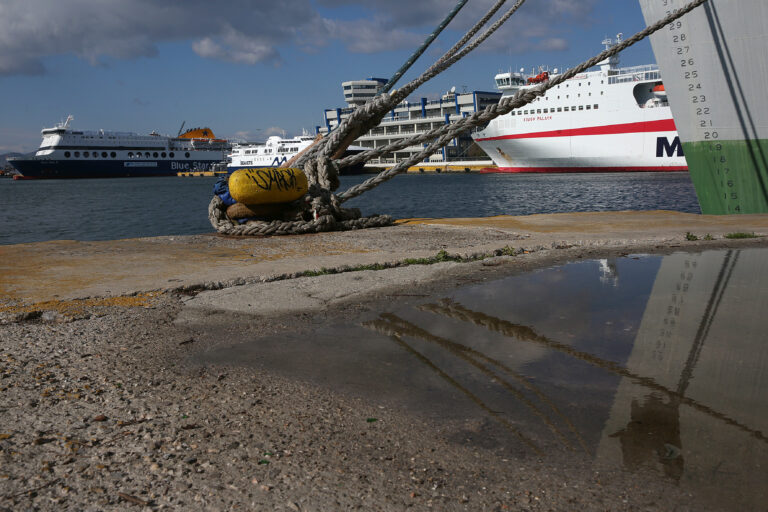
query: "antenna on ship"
65, 124
182, 127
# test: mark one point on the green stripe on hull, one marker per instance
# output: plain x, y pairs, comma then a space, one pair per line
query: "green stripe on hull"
729, 176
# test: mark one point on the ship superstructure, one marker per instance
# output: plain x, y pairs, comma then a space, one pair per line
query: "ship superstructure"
609, 120
273, 153
67, 153
277, 151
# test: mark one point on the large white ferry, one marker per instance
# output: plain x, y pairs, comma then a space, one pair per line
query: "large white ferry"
68, 153
610, 120
276, 151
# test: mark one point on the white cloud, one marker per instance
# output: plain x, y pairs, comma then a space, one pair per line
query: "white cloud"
253, 31
273, 130
237, 47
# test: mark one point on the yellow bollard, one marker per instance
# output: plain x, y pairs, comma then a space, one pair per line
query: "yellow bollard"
267, 185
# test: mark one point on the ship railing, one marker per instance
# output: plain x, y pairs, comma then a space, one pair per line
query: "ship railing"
634, 74
643, 76
636, 69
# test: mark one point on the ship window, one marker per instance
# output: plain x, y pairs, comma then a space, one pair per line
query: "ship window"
171, 154
130, 154
103, 154
601, 93
596, 107
589, 107
85, 154
538, 111
163, 154
66, 154
95, 154
154, 155
113, 154
146, 154
573, 108
559, 109
581, 107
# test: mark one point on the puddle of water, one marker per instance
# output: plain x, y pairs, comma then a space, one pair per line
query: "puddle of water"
649, 363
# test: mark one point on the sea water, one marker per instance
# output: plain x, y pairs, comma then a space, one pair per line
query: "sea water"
108, 209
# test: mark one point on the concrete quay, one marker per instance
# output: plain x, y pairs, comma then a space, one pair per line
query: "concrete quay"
66, 270
126, 383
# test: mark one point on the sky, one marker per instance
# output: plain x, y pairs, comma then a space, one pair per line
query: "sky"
253, 68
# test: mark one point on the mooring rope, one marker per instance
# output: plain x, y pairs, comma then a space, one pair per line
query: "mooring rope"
444, 134
428, 41
322, 170
370, 114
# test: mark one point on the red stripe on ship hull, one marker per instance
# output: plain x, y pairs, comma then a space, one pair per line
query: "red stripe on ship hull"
664, 125
670, 168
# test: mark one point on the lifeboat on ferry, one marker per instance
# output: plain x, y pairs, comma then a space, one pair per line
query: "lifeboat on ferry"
541, 77
659, 91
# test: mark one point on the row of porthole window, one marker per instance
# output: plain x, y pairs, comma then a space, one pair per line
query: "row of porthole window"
131, 154
552, 110
86, 154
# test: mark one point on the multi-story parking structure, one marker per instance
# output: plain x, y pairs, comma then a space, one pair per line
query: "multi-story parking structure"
410, 118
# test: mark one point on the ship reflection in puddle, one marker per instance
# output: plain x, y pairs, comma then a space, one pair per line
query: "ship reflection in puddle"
692, 399
650, 363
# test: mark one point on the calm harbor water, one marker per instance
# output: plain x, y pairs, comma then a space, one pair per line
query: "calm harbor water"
108, 209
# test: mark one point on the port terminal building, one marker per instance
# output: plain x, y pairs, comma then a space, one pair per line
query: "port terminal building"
413, 117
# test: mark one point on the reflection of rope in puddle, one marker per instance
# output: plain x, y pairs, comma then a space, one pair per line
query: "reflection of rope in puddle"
454, 310
386, 328
407, 328
458, 347
706, 322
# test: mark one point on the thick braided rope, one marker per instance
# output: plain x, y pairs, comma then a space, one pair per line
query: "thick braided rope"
446, 133
432, 36
452, 57
348, 220
370, 114
381, 107
328, 221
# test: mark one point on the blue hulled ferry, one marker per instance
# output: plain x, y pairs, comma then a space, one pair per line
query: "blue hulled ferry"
65, 153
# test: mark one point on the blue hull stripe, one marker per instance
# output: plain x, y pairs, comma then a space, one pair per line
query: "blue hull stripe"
64, 169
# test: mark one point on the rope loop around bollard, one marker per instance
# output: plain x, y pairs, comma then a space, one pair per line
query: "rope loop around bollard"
339, 219
322, 211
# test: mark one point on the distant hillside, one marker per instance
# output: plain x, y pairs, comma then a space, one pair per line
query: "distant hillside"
4, 157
